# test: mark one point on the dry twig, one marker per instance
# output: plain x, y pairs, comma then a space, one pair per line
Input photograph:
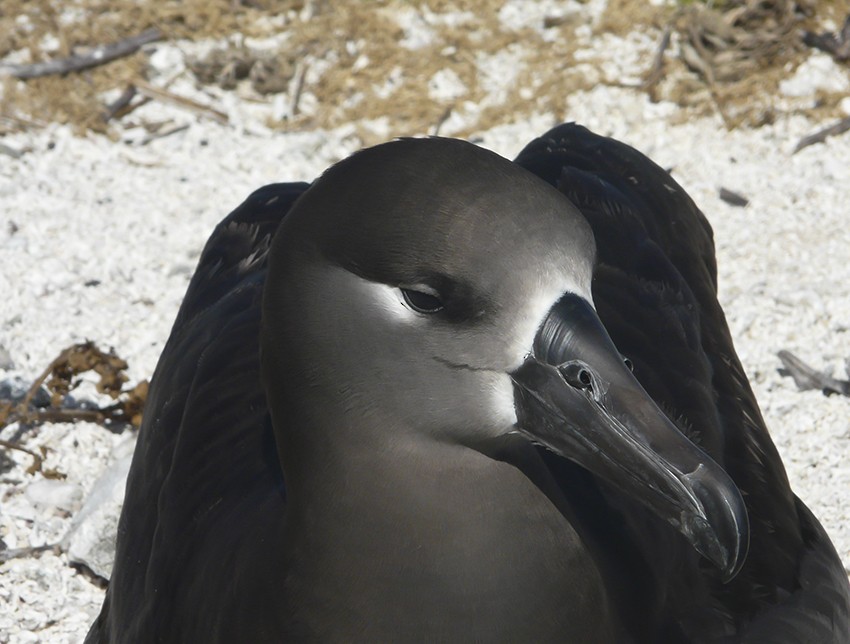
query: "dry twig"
97, 56
657, 70
164, 132
821, 135
37, 459
835, 44
21, 121
158, 93
297, 87
121, 105
806, 377
17, 553
441, 121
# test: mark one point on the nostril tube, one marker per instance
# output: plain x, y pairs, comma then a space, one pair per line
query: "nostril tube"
576, 374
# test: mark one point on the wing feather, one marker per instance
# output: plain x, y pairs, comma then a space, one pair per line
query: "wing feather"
655, 288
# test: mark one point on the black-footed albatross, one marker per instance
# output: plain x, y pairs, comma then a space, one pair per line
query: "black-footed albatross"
391, 409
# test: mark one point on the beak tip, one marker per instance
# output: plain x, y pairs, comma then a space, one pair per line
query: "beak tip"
730, 564
735, 560
724, 544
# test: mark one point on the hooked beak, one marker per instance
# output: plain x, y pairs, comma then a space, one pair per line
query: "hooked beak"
576, 397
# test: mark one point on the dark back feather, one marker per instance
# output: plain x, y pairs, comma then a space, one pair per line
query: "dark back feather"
206, 450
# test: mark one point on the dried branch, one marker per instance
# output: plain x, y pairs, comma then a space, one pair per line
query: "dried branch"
657, 70
821, 135
17, 553
181, 101
442, 120
21, 121
97, 56
161, 134
835, 44
654, 74
37, 459
806, 377
120, 106
297, 87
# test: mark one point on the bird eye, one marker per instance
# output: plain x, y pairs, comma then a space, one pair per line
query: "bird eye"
422, 302
629, 364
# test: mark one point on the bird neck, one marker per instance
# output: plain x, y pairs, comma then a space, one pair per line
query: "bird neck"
438, 533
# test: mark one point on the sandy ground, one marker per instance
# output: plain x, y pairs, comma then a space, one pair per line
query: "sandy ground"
98, 239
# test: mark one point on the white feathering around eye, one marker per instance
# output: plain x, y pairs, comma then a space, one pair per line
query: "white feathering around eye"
502, 405
535, 311
388, 299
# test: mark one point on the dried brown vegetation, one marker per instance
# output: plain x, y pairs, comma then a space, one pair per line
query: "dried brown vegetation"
742, 51
60, 378
351, 57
